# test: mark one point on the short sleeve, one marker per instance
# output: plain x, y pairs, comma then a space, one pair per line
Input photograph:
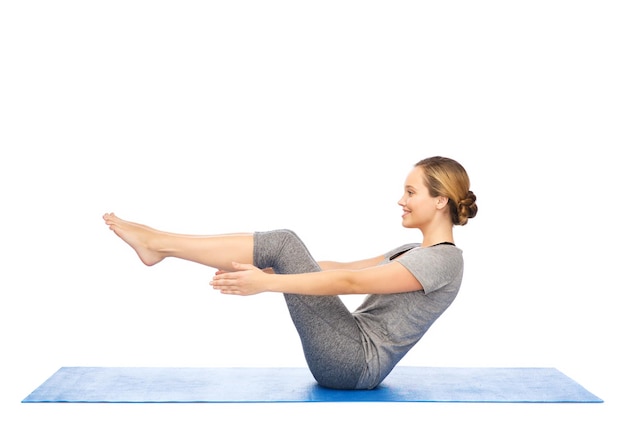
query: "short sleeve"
434, 267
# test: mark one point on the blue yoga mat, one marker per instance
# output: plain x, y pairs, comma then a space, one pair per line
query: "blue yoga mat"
256, 385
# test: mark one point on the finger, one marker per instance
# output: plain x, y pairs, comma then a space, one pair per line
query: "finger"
223, 277
222, 283
226, 285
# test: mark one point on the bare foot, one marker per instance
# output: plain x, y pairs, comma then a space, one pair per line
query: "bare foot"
137, 236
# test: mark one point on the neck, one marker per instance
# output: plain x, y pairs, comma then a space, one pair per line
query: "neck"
430, 238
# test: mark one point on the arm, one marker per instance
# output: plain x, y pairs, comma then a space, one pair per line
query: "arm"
382, 279
361, 264
331, 265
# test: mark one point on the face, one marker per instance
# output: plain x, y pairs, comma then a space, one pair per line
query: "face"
419, 208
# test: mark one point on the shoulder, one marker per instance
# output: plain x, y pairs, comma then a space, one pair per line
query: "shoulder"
434, 266
392, 254
444, 251
437, 255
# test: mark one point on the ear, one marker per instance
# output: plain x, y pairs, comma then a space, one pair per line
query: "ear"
441, 202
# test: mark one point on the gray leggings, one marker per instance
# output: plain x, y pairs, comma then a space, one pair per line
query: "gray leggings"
330, 336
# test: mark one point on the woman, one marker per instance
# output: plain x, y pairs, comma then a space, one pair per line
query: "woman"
409, 287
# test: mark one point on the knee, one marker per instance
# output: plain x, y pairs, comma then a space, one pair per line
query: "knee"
288, 239
280, 249
284, 232
277, 237
287, 234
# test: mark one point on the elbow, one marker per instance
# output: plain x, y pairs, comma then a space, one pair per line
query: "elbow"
351, 285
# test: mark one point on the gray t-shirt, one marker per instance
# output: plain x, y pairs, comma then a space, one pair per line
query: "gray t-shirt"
393, 323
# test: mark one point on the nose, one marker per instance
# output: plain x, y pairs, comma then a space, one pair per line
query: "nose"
402, 201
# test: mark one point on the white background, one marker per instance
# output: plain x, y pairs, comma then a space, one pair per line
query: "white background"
210, 117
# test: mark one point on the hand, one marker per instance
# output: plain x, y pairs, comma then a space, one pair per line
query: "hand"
246, 280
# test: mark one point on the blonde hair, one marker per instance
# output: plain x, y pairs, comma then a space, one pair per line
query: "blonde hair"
446, 177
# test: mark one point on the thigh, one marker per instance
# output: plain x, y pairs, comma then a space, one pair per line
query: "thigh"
330, 336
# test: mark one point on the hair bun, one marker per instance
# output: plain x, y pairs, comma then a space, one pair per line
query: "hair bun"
467, 207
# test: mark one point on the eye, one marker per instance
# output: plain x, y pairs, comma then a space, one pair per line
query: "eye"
410, 192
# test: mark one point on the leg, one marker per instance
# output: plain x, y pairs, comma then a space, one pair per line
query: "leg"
330, 337
152, 246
